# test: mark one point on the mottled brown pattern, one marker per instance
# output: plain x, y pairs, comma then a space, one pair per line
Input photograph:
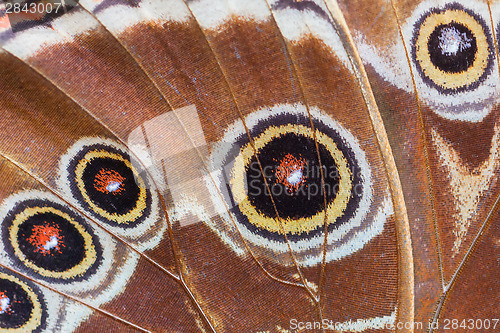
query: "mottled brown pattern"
365, 282
432, 205
155, 302
371, 17
185, 70
105, 80
101, 322
474, 295
217, 276
405, 8
254, 59
405, 135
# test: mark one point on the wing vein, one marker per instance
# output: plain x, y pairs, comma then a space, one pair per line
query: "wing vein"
405, 311
76, 299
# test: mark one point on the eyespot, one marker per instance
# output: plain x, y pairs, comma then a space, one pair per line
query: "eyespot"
452, 48
22, 306
290, 203
453, 57
45, 239
51, 241
289, 162
100, 177
106, 183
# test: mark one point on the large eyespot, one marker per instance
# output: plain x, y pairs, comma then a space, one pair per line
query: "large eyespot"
288, 159
22, 307
100, 177
272, 187
452, 48
51, 240
453, 55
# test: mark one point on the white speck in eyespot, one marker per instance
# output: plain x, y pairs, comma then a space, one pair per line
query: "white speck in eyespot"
52, 243
452, 41
4, 304
113, 186
295, 177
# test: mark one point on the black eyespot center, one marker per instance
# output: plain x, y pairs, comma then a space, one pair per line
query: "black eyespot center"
284, 147
17, 306
452, 47
291, 201
22, 305
51, 241
118, 193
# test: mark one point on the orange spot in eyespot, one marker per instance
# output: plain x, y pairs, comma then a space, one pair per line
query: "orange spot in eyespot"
109, 181
46, 238
290, 172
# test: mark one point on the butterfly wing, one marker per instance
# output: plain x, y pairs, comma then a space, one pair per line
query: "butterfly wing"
213, 107
433, 69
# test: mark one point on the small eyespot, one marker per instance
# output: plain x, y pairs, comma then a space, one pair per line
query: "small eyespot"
22, 306
452, 54
452, 48
109, 186
51, 241
101, 177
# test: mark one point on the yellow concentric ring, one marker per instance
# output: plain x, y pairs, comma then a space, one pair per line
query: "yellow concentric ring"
334, 209
35, 319
90, 252
126, 218
441, 78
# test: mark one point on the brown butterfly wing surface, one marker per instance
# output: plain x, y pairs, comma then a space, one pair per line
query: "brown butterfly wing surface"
248, 166
440, 110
